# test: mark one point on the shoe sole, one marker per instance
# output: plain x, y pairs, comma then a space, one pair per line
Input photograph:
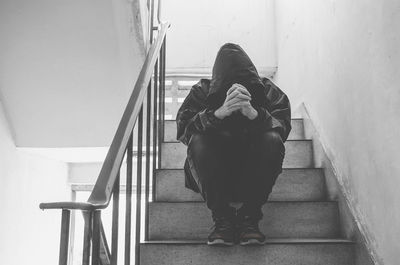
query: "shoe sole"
251, 242
219, 242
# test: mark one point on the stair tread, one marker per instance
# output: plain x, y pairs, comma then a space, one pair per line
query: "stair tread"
274, 252
299, 154
282, 219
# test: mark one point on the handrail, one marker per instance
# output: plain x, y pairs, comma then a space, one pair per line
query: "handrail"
101, 194
102, 190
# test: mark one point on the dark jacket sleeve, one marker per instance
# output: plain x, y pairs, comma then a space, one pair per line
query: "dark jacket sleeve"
193, 116
275, 113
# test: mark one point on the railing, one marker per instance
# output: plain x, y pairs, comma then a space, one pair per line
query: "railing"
147, 100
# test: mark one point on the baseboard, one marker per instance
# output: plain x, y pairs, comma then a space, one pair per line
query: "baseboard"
351, 224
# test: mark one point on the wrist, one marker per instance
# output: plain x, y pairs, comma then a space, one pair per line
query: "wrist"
218, 114
253, 113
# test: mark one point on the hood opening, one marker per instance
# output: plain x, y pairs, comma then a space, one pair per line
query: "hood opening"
233, 65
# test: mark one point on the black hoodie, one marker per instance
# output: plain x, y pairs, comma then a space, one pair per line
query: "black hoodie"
233, 65
196, 115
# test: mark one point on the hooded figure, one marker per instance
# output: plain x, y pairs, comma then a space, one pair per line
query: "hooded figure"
232, 65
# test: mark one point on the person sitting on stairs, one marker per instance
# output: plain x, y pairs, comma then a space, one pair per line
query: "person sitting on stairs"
235, 126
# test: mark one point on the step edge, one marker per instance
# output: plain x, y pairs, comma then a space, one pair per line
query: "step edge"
274, 202
284, 168
289, 140
288, 168
292, 140
297, 119
270, 241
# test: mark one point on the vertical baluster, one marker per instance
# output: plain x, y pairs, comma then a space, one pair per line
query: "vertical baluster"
163, 54
64, 237
147, 174
139, 185
128, 211
151, 21
96, 237
105, 254
72, 231
87, 217
160, 111
155, 128
115, 222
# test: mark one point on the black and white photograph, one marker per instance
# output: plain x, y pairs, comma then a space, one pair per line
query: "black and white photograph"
200, 132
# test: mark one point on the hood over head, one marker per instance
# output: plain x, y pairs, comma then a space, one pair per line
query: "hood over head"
233, 65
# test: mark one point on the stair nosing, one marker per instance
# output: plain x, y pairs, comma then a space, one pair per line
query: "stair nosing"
290, 119
269, 241
287, 168
291, 140
280, 201
197, 202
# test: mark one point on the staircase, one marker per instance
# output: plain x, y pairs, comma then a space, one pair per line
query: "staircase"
302, 227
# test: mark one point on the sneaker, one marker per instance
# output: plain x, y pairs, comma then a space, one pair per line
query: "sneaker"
248, 231
223, 233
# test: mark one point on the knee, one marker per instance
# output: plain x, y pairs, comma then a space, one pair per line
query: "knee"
271, 143
203, 146
198, 143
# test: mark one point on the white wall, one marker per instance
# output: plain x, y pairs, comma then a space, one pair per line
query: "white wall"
342, 58
68, 67
199, 28
28, 235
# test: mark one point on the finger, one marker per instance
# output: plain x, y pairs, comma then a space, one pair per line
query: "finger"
241, 88
237, 94
243, 96
237, 99
231, 95
234, 101
238, 105
231, 89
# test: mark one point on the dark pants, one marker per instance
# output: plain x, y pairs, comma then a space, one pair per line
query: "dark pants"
236, 167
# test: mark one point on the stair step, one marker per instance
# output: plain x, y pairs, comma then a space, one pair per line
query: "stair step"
192, 220
291, 185
274, 252
298, 154
297, 132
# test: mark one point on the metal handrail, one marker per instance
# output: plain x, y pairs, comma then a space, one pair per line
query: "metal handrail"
102, 191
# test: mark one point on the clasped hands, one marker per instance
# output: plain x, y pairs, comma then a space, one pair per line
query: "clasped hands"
237, 100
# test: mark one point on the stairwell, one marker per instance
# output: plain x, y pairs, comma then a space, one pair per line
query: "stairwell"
301, 225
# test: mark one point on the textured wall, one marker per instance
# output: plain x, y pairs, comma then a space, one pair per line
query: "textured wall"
342, 58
